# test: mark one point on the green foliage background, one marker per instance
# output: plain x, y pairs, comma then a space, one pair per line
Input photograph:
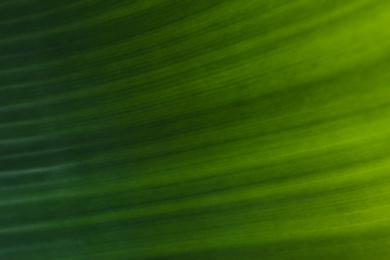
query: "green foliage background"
218, 129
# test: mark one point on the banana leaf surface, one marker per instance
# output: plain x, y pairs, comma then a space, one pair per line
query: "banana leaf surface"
203, 129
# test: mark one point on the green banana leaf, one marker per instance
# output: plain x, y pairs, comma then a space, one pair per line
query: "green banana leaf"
206, 129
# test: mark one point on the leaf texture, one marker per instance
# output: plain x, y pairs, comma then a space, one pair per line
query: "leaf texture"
163, 129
